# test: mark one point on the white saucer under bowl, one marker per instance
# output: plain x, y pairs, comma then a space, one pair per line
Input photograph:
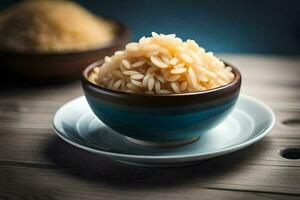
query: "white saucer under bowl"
249, 122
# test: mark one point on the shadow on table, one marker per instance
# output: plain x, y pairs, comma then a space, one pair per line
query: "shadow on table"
102, 170
9, 82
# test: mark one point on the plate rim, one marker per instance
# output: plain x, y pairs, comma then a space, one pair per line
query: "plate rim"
208, 154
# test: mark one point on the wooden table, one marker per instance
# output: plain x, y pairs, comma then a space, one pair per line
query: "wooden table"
36, 164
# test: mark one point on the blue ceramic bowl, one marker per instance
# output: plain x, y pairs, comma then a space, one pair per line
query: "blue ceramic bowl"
171, 118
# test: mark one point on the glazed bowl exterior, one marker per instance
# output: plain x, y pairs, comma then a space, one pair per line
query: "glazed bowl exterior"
163, 118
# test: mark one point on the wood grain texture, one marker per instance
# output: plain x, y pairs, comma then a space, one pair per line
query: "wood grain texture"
273, 79
246, 170
38, 183
15, 148
36, 164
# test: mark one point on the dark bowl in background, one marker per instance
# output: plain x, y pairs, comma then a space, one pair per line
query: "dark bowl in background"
59, 66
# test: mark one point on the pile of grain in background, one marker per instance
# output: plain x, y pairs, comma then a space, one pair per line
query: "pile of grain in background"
52, 26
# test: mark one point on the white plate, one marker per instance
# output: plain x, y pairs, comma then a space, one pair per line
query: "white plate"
249, 122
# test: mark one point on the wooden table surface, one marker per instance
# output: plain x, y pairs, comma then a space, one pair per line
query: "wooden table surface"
36, 164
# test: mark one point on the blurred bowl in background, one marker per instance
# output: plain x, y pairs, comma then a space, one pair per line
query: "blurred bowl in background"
57, 66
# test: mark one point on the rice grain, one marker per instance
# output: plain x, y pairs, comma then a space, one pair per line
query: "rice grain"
162, 64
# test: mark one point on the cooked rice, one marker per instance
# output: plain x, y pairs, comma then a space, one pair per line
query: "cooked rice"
162, 64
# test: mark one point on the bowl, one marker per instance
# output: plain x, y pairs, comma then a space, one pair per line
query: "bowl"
59, 66
169, 119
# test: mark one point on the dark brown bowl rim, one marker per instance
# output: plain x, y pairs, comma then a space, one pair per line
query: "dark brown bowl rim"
84, 77
122, 36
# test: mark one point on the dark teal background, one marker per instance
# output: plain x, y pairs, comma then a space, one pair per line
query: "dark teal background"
234, 26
